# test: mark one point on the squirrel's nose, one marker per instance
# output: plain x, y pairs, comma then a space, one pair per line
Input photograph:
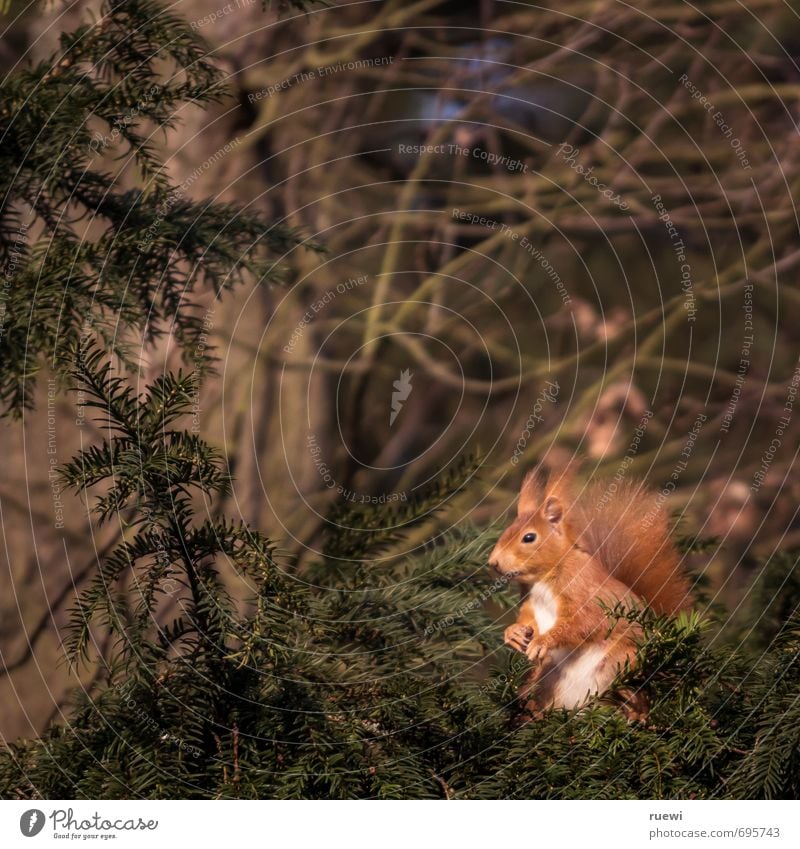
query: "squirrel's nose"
493, 564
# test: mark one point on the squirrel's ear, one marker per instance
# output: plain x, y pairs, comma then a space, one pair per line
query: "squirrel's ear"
533, 490
553, 510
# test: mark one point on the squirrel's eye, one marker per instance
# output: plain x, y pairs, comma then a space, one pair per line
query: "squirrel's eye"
529, 538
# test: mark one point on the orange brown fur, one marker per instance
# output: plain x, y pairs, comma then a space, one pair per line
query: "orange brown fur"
580, 557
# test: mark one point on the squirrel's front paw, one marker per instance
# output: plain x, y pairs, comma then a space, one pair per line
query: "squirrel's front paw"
518, 636
537, 651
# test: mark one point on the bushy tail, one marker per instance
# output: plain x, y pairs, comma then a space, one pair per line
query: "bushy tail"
625, 528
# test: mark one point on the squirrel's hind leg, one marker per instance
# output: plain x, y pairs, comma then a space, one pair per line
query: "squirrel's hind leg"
633, 703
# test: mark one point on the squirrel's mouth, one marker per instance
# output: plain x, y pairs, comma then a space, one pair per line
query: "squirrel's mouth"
505, 573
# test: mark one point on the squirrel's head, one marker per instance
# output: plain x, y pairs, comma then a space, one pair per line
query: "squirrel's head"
540, 537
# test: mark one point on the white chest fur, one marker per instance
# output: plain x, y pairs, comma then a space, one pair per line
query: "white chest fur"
543, 604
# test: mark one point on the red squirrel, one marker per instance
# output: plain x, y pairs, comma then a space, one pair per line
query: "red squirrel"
571, 551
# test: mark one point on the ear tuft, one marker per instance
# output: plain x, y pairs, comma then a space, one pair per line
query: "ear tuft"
533, 490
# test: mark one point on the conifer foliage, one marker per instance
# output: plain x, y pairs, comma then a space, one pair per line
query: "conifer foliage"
233, 673
386, 682
109, 89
